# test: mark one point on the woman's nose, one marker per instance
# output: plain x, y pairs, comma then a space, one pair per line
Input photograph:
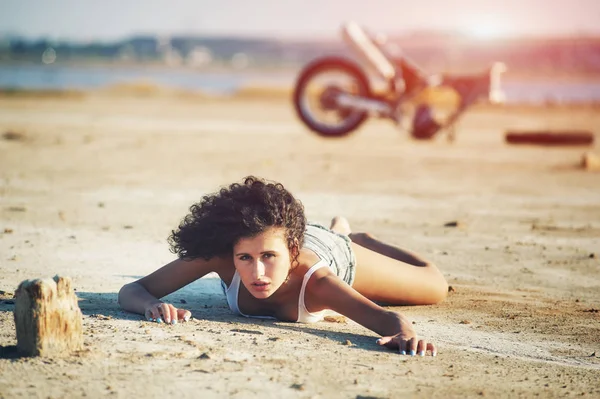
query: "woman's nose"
259, 269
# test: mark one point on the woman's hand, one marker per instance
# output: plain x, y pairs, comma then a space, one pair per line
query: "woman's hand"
407, 342
166, 312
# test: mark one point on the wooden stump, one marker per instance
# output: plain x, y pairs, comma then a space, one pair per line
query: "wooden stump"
47, 317
590, 162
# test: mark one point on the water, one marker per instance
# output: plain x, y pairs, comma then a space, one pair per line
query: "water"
55, 77
52, 77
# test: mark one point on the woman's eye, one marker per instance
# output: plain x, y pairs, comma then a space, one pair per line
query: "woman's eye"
268, 256
244, 257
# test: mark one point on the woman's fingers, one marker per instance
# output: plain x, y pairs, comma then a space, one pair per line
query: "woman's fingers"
160, 312
421, 347
385, 341
183, 314
394, 343
167, 313
173, 314
402, 346
411, 346
431, 347
151, 314
155, 314
164, 313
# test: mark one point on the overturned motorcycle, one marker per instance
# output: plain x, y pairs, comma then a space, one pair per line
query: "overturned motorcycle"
333, 96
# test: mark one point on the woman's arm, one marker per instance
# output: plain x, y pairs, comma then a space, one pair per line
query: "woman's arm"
142, 296
327, 291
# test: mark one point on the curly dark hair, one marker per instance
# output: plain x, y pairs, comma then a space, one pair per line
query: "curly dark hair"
216, 223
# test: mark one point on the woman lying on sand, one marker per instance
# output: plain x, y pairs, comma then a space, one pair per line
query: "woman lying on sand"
256, 233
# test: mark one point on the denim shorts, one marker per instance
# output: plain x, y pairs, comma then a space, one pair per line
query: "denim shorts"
334, 248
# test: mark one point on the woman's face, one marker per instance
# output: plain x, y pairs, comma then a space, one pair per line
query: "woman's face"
263, 262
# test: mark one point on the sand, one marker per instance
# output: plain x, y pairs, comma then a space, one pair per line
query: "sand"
92, 184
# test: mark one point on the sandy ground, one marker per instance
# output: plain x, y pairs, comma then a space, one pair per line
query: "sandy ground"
95, 183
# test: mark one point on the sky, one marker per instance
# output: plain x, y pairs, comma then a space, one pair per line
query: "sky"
106, 20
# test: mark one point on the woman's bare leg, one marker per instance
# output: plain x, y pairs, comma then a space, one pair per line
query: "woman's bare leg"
386, 273
340, 224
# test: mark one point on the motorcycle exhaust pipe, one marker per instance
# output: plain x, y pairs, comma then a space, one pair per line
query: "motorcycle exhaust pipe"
369, 105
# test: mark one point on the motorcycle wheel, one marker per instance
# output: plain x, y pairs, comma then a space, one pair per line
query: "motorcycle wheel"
315, 104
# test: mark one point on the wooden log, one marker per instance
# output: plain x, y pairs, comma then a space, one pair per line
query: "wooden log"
47, 317
550, 138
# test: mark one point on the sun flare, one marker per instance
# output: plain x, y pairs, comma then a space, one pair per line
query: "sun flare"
486, 31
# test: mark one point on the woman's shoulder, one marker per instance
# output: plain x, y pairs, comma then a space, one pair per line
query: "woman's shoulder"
307, 259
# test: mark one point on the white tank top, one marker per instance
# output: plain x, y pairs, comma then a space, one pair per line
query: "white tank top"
304, 316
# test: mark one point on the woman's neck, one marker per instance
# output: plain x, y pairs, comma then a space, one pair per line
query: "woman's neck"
290, 289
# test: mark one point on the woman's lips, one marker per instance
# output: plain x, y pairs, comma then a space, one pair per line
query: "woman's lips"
261, 285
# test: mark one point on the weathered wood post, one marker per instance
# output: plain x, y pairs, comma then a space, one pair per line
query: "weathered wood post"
590, 162
47, 317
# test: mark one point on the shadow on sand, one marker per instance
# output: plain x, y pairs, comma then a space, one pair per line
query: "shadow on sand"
206, 300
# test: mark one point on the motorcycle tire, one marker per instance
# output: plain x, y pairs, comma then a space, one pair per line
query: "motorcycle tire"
351, 120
